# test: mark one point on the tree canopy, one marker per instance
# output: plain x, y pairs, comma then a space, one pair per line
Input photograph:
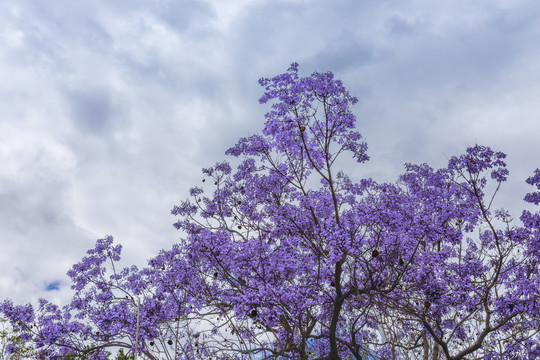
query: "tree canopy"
288, 257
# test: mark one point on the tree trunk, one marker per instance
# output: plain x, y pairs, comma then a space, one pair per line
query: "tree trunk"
426, 347
436, 351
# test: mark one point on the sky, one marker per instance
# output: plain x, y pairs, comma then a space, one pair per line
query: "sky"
109, 109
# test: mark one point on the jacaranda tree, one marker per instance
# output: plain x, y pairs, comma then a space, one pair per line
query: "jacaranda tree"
287, 257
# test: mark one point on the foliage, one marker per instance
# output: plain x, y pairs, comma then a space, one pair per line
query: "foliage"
12, 344
121, 356
273, 266
84, 354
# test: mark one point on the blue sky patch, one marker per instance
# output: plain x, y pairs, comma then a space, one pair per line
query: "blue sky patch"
55, 285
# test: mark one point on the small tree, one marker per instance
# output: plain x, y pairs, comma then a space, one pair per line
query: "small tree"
103, 311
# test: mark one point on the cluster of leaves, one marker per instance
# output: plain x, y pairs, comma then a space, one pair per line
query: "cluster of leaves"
273, 267
9, 338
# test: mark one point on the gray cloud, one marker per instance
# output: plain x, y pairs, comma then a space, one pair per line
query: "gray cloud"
182, 14
399, 26
343, 53
110, 109
92, 110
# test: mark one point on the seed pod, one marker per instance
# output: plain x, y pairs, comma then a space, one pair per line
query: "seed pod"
333, 284
401, 263
375, 253
239, 227
427, 304
151, 343
169, 342
253, 313
302, 128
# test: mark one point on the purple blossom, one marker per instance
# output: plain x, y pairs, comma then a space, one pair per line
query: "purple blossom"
275, 266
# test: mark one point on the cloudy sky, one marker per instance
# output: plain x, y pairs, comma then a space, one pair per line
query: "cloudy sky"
109, 109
